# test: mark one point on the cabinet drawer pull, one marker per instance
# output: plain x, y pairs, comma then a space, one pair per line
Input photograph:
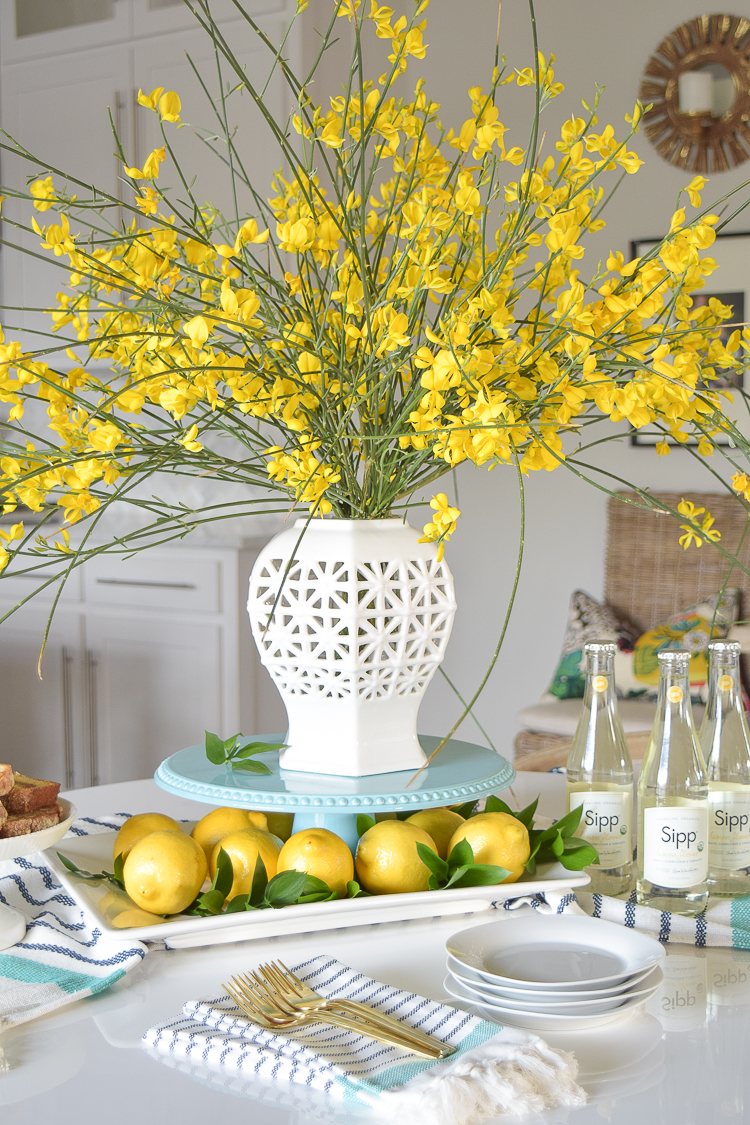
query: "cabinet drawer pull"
144, 582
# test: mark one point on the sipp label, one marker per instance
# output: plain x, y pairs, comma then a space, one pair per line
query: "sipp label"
606, 823
729, 829
675, 852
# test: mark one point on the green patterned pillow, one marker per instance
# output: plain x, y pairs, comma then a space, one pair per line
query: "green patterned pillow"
588, 620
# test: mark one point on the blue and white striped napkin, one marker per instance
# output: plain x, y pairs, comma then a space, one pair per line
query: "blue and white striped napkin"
494, 1070
63, 956
724, 922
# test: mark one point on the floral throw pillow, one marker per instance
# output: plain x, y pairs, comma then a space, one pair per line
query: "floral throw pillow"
588, 620
689, 631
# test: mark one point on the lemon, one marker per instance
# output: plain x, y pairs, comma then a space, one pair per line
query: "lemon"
164, 872
387, 861
243, 848
280, 824
219, 823
438, 823
497, 838
139, 826
321, 853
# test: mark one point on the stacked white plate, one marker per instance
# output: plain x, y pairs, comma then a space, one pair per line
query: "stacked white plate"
554, 971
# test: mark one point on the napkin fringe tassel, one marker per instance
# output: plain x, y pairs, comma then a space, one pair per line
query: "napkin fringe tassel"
502, 1076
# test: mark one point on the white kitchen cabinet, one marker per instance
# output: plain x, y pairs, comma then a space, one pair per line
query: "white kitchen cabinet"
144, 656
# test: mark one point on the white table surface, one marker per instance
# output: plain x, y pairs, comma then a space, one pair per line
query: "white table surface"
682, 1061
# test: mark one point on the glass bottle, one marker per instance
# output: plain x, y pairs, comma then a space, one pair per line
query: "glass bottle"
725, 743
600, 776
673, 801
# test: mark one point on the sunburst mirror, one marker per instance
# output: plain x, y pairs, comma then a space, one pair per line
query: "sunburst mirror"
698, 84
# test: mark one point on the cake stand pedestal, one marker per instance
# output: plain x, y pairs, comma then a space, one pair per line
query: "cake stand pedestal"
461, 772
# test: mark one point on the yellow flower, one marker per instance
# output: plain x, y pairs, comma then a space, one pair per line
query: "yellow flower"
198, 329
170, 106
694, 187
189, 439
443, 523
687, 508
44, 194
741, 484
150, 168
662, 447
150, 101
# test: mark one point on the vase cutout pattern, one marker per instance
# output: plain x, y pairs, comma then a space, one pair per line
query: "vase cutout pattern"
363, 613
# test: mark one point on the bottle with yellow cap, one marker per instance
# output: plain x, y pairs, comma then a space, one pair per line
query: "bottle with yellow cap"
600, 776
725, 743
673, 801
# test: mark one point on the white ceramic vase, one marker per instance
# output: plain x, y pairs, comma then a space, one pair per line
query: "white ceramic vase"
360, 627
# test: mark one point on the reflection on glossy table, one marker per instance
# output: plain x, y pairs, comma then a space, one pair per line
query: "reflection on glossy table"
680, 1061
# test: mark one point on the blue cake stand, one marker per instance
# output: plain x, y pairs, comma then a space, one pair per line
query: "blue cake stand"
460, 772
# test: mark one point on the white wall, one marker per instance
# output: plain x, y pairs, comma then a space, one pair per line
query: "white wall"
605, 41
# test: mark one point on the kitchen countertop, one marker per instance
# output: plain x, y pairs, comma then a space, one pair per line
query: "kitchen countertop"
681, 1061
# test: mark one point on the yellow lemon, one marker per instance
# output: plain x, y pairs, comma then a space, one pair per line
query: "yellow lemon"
164, 872
438, 823
497, 838
280, 824
243, 848
321, 853
387, 861
223, 822
139, 826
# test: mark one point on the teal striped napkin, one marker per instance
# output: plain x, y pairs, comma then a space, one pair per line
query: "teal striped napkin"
64, 956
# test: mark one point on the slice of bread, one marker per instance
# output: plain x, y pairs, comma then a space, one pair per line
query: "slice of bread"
3, 814
6, 779
21, 824
29, 793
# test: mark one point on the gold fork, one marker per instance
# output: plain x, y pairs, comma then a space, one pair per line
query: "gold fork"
291, 989
268, 1010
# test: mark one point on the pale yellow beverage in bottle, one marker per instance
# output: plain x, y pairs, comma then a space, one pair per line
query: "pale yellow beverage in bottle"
600, 776
673, 801
725, 743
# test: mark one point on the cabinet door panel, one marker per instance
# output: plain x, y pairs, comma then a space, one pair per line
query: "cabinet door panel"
153, 580
63, 26
159, 17
162, 62
158, 686
57, 109
42, 732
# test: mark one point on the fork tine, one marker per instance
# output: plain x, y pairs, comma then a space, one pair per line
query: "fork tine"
269, 996
290, 975
277, 978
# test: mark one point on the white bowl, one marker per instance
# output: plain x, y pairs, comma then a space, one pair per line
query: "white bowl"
17, 846
565, 1007
475, 980
538, 1021
554, 952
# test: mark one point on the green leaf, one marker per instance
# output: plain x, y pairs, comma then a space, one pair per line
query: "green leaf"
526, 816
466, 809
494, 804
478, 875
461, 855
224, 877
250, 767
557, 845
364, 823
314, 885
212, 901
434, 884
95, 875
285, 888
353, 890
579, 858
257, 748
230, 743
567, 824
259, 884
530, 865
432, 860
238, 904
215, 751
119, 868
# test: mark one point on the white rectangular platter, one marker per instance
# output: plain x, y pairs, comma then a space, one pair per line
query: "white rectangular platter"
94, 853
